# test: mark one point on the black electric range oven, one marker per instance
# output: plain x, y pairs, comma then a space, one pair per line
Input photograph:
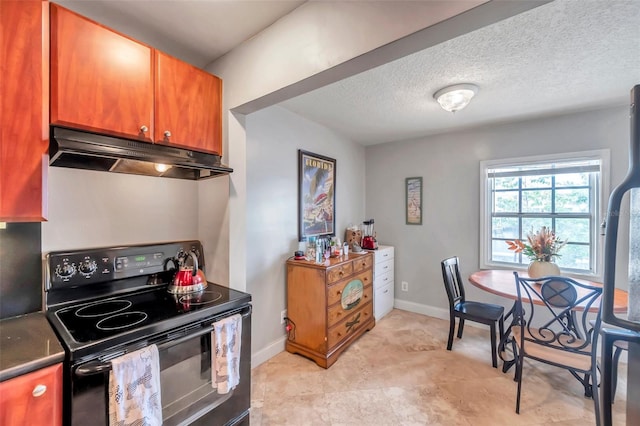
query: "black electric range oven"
107, 302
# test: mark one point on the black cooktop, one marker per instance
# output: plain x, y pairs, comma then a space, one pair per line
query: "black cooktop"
101, 319
103, 324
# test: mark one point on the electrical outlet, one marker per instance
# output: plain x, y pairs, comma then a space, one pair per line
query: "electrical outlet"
283, 315
405, 286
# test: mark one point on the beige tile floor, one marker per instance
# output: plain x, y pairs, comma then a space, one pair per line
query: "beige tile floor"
400, 373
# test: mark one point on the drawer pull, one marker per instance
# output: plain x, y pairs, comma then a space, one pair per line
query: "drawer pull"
341, 273
339, 292
385, 255
39, 390
386, 291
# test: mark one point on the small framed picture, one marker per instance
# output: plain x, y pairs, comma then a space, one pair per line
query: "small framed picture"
414, 200
316, 195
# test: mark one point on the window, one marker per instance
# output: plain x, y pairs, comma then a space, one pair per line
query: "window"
563, 192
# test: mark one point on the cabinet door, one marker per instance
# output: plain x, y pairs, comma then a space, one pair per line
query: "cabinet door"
34, 399
100, 80
24, 110
188, 106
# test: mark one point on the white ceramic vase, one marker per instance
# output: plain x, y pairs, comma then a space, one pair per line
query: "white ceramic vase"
539, 269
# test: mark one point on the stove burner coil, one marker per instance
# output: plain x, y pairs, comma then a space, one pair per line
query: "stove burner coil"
196, 298
122, 320
100, 309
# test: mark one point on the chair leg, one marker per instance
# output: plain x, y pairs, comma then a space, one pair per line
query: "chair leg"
519, 366
614, 373
494, 356
452, 328
460, 328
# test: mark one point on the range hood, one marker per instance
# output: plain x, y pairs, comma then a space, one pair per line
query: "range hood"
90, 151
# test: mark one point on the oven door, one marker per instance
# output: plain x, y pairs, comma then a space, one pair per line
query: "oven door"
185, 376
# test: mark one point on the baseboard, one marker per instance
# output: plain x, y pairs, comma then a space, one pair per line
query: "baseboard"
277, 346
419, 308
431, 311
264, 355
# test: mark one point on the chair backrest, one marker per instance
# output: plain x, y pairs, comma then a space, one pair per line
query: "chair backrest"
554, 311
452, 281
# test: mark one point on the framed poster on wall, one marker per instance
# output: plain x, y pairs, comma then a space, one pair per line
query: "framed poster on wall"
413, 200
316, 195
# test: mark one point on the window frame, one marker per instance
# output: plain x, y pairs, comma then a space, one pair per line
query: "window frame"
601, 195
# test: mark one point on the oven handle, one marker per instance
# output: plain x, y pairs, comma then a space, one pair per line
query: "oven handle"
97, 367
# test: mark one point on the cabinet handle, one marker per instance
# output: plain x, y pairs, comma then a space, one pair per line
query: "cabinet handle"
167, 134
144, 129
340, 273
39, 390
339, 292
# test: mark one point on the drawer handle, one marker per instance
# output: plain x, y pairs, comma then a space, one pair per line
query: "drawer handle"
144, 129
39, 390
365, 279
339, 292
386, 291
341, 273
385, 255
167, 134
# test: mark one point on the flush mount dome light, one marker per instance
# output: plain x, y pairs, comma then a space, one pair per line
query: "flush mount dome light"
454, 98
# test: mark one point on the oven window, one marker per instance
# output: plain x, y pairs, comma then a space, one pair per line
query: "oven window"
186, 380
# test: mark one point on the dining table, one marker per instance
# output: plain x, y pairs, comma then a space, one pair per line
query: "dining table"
502, 282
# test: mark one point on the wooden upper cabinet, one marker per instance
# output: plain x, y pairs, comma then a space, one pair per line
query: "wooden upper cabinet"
188, 106
100, 80
24, 110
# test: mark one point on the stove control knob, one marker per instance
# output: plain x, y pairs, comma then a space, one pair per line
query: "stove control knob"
87, 267
66, 270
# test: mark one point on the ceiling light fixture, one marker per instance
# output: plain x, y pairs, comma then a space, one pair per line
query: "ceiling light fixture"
454, 98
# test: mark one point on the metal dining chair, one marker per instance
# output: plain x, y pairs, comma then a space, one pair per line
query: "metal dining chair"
459, 307
558, 331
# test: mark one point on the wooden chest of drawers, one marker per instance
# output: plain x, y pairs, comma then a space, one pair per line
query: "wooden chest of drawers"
329, 305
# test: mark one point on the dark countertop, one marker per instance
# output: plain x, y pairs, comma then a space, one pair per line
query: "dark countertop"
27, 343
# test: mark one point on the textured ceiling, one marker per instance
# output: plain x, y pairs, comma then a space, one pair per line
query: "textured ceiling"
561, 57
196, 31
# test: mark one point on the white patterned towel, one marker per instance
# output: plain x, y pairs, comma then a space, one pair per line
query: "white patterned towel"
225, 356
134, 389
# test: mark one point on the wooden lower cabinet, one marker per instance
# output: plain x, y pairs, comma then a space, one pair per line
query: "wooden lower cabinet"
32, 399
329, 305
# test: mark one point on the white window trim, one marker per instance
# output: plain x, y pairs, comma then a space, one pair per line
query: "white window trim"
601, 201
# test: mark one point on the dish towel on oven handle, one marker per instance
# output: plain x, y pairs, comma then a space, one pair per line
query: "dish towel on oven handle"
226, 338
134, 389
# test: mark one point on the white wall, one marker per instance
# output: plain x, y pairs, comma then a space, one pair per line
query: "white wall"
96, 209
274, 136
450, 167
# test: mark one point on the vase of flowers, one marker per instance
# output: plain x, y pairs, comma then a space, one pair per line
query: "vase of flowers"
541, 248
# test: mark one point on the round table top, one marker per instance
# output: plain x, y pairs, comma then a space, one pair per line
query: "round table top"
503, 283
